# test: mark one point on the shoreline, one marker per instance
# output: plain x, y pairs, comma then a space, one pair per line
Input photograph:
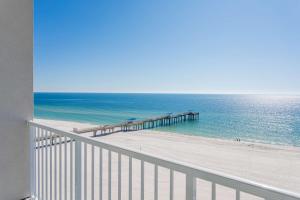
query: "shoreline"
274, 165
69, 125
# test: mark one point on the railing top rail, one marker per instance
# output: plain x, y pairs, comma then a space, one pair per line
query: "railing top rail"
243, 185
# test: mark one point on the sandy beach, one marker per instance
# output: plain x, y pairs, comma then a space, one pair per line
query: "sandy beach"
273, 165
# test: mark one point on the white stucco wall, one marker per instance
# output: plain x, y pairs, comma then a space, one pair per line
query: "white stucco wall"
16, 38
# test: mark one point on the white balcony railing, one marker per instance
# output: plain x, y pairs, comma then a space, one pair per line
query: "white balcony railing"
70, 166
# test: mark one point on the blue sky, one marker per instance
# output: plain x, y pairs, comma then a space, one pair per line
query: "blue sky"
178, 46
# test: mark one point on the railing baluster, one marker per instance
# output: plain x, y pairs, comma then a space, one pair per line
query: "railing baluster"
46, 157
142, 180
50, 146
60, 168
109, 175
171, 184
213, 191
194, 188
42, 164
237, 195
119, 176
43, 160
155, 182
77, 170
39, 162
31, 151
92, 177
71, 169
190, 187
55, 168
34, 160
65, 171
130, 178
85, 172
39, 148
100, 173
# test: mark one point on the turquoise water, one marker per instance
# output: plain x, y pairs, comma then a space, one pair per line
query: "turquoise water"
266, 119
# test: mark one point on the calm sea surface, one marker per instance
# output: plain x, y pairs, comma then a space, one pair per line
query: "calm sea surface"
266, 119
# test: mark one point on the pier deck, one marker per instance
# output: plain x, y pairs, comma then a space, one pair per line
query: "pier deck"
165, 120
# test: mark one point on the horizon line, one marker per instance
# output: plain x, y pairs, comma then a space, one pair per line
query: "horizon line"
166, 92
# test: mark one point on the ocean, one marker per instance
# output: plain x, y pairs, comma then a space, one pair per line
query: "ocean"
255, 118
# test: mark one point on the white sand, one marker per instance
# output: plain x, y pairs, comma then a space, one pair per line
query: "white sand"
273, 165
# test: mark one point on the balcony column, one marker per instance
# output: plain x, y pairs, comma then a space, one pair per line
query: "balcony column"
16, 98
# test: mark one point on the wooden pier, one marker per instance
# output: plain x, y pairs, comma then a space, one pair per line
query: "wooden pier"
166, 120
